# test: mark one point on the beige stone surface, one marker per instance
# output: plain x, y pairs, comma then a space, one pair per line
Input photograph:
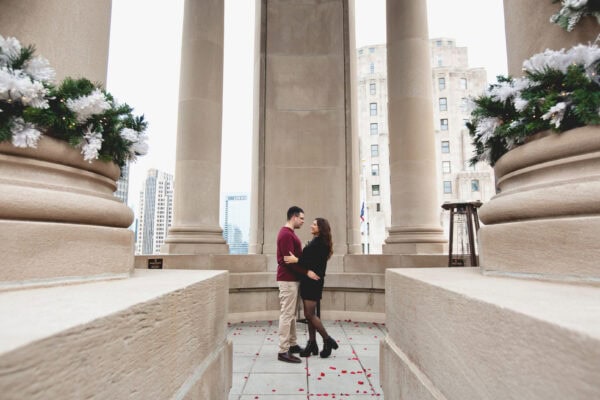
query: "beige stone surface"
230, 262
528, 31
72, 35
545, 220
46, 253
59, 219
378, 263
304, 143
160, 334
415, 222
486, 337
195, 228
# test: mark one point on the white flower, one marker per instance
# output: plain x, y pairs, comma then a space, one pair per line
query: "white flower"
486, 128
18, 86
574, 3
24, 134
502, 91
129, 134
9, 48
141, 146
92, 142
86, 106
521, 104
39, 68
556, 114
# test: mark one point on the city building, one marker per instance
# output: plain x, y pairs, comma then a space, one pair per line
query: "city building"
453, 84
123, 184
235, 220
155, 212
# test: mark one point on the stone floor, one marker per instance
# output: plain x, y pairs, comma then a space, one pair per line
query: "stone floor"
351, 372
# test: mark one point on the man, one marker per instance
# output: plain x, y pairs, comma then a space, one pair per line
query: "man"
288, 282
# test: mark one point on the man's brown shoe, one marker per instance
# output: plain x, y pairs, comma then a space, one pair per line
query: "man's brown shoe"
287, 357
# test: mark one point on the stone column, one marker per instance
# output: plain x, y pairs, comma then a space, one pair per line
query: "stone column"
528, 31
72, 35
196, 227
415, 208
305, 143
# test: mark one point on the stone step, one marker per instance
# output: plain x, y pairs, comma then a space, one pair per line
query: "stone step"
159, 334
456, 334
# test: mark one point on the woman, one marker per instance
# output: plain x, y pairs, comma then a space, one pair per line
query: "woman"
314, 259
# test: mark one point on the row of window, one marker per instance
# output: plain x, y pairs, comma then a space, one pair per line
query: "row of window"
462, 83
447, 188
443, 104
474, 186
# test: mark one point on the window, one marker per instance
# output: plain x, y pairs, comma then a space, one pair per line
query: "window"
446, 167
378, 207
463, 83
442, 83
372, 68
374, 128
374, 169
450, 42
360, 51
445, 146
374, 150
371, 49
375, 190
443, 104
373, 108
440, 62
438, 43
447, 187
475, 185
372, 88
444, 124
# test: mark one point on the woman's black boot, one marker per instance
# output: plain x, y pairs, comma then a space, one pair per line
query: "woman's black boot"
311, 347
328, 344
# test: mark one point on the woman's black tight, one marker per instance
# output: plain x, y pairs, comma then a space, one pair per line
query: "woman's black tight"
314, 322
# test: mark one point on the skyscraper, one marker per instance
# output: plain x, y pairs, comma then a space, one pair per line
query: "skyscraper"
155, 213
123, 184
453, 84
235, 219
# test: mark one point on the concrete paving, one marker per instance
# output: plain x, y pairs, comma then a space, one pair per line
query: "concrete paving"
351, 372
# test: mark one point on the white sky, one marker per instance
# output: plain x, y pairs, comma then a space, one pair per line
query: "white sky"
144, 65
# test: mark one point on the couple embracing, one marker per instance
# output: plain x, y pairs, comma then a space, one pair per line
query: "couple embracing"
302, 271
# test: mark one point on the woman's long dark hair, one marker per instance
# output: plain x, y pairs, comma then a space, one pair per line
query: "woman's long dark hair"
325, 234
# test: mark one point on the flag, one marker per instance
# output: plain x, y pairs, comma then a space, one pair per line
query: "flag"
362, 212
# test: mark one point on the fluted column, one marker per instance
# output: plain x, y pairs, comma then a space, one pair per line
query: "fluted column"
196, 227
415, 210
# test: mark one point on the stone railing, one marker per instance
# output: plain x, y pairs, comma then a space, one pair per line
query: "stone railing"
354, 285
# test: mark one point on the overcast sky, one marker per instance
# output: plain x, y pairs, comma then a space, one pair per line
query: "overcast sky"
144, 65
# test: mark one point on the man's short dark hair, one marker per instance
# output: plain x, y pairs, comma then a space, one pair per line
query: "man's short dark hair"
294, 211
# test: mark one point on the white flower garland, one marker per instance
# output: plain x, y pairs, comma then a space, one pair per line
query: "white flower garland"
571, 12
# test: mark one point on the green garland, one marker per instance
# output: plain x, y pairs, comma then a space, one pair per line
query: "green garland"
120, 133
550, 96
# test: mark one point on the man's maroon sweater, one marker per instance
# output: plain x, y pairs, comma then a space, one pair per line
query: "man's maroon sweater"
288, 241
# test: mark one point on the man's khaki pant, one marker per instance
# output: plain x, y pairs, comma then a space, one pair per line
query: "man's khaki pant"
288, 300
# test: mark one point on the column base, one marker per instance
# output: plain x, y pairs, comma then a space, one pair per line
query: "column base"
195, 240
416, 240
37, 253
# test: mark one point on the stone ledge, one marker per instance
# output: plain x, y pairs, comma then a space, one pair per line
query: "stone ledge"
334, 281
228, 262
487, 337
134, 338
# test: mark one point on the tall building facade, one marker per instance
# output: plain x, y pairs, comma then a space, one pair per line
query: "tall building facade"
235, 220
453, 84
155, 212
123, 184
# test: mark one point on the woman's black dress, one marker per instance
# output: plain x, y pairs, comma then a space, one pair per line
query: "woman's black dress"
314, 257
